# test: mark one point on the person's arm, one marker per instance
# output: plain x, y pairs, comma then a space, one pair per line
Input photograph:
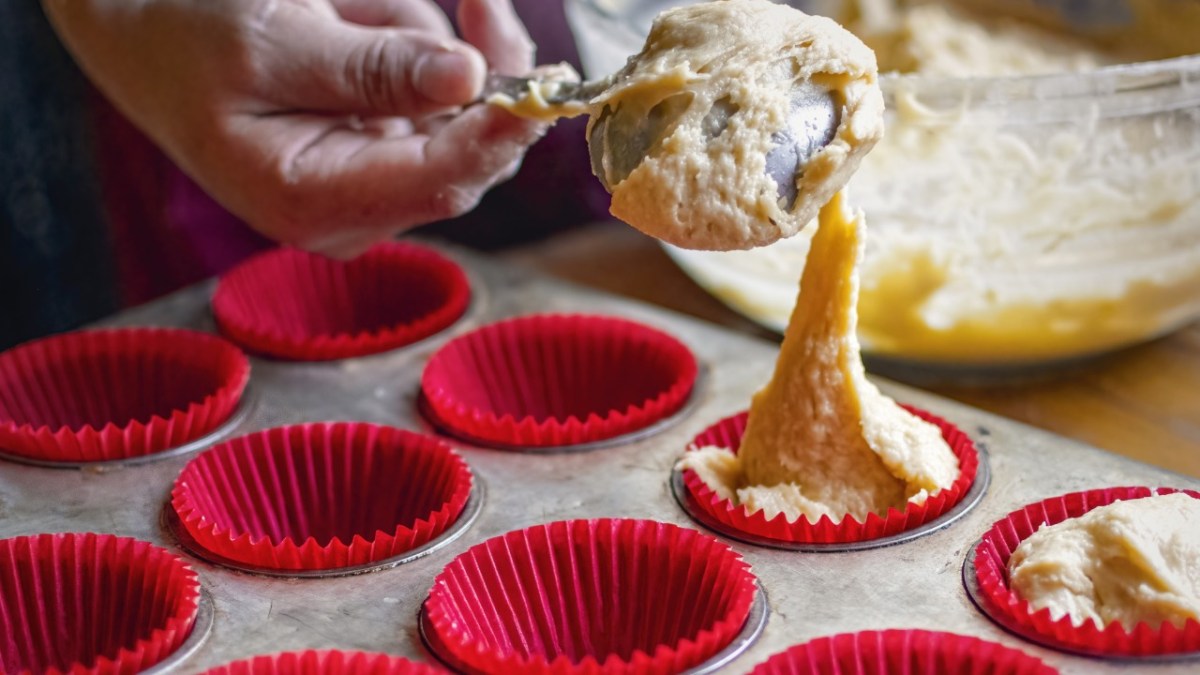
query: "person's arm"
327, 124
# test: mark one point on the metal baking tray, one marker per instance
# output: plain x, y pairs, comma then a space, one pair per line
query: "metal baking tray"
916, 583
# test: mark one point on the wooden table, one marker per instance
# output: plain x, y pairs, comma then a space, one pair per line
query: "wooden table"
1143, 403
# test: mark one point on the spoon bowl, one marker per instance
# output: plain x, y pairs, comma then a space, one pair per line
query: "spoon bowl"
625, 137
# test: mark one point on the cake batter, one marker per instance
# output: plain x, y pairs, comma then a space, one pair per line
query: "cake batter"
1131, 561
821, 439
703, 104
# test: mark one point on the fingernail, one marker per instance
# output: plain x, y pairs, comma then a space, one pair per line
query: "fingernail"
447, 77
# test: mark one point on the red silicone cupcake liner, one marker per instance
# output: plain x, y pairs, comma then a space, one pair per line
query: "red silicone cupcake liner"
103, 395
901, 652
555, 380
1002, 604
327, 662
728, 434
320, 496
92, 603
302, 306
589, 596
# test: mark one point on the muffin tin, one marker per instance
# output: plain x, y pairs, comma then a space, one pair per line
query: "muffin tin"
914, 583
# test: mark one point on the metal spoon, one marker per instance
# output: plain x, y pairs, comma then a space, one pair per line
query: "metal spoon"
626, 137
811, 125
562, 92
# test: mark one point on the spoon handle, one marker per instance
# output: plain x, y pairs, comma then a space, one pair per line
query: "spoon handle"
556, 91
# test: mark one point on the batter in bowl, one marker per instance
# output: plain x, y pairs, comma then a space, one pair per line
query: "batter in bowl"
997, 243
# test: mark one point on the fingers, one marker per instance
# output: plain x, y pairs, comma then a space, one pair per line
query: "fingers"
421, 14
338, 184
493, 27
315, 64
479, 148
337, 188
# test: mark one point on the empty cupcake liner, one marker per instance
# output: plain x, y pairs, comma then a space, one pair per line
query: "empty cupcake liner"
728, 434
320, 496
589, 596
103, 395
295, 305
989, 570
325, 662
556, 380
92, 603
901, 652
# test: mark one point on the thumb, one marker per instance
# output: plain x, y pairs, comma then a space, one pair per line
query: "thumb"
321, 63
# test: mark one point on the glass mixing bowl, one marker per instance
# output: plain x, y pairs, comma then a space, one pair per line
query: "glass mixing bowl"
1014, 222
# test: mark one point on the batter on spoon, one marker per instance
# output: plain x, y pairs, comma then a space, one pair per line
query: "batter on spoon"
682, 136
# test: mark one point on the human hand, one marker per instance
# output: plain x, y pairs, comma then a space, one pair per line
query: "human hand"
325, 124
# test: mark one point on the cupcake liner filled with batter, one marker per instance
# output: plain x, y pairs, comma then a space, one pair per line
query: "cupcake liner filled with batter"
103, 395
556, 380
320, 496
988, 576
92, 604
301, 306
901, 652
728, 434
594, 596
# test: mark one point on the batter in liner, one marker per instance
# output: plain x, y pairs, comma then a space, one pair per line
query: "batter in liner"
821, 439
1131, 561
